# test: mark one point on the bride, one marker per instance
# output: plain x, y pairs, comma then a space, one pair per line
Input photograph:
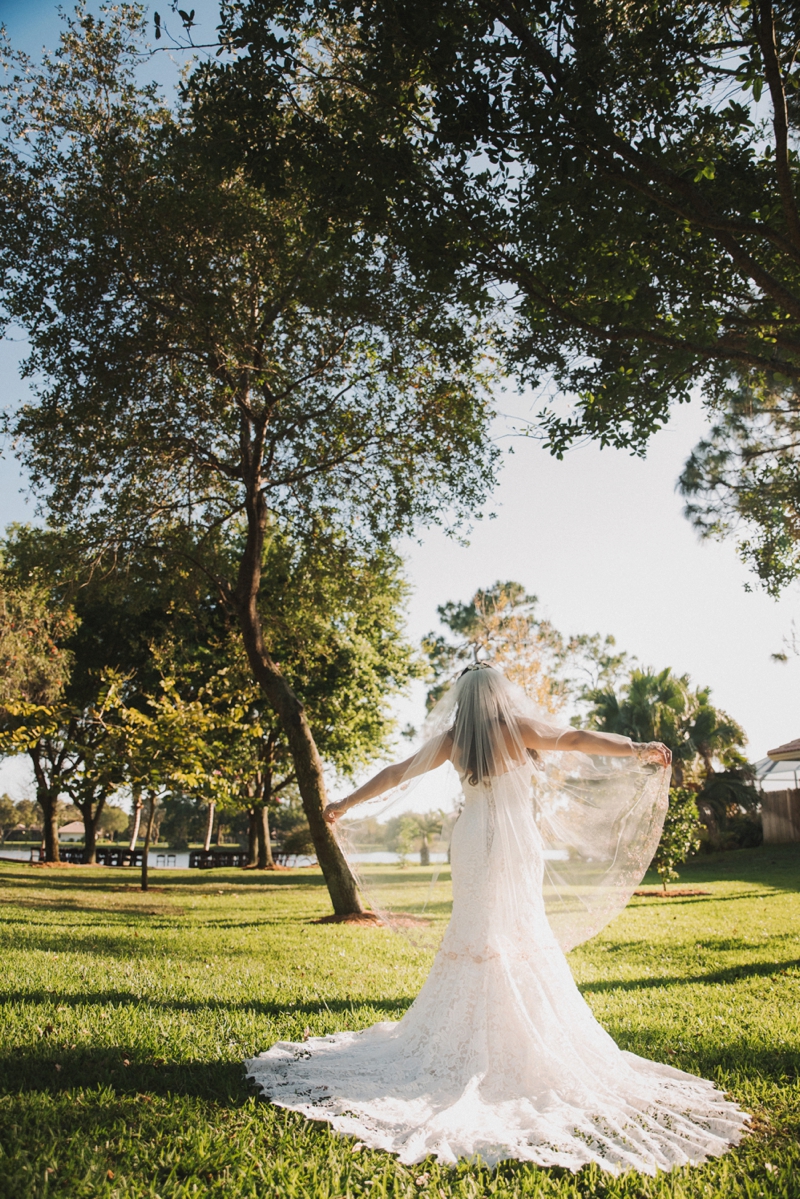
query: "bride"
499, 1056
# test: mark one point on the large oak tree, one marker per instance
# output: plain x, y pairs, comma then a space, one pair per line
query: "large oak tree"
207, 346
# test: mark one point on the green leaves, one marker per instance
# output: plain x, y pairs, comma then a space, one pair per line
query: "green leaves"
680, 836
602, 172
743, 480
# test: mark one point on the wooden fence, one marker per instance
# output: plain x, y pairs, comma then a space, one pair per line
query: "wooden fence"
780, 814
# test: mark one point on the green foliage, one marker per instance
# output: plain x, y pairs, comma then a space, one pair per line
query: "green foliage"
501, 624
212, 355
24, 816
622, 183
112, 820
335, 616
9, 816
151, 1007
184, 821
644, 238
212, 338
680, 837
424, 827
34, 662
743, 480
663, 706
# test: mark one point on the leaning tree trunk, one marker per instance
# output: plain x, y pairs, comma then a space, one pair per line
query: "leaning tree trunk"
282, 699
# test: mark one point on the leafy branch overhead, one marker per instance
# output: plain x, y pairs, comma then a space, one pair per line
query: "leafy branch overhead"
619, 183
604, 165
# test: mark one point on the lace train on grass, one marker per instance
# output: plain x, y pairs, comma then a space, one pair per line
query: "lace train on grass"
499, 1056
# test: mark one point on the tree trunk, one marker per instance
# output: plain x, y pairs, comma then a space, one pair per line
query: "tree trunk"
47, 800
49, 806
212, 807
265, 858
282, 699
147, 835
90, 819
252, 838
424, 852
709, 819
137, 820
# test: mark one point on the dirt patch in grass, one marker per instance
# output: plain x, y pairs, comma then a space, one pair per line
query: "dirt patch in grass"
373, 920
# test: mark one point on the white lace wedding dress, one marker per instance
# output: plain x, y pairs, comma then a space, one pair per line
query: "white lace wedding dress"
499, 1055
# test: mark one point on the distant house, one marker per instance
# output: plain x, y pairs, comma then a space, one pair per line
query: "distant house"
74, 831
780, 809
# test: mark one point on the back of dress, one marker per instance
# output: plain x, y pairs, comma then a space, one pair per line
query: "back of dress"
590, 824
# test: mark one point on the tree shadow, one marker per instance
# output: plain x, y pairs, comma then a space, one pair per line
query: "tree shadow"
383, 1007
125, 878
729, 974
58, 1070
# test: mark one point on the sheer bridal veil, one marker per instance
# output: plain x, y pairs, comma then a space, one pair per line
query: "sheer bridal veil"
594, 821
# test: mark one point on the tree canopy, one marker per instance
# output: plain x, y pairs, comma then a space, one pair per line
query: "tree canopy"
620, 181
502, 624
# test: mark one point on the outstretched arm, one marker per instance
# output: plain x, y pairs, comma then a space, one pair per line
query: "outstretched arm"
384, 780
586, 741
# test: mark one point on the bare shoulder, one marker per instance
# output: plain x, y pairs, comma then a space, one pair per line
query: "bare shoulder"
536, 735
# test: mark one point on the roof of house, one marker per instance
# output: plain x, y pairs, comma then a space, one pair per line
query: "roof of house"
74, 826
790, 752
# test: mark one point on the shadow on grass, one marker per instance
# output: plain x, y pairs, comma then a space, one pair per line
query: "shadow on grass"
383, 1007
729, 974
125, 878
57, 1070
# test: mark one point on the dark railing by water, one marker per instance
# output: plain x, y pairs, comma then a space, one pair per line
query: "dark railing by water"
104, 857
199, 859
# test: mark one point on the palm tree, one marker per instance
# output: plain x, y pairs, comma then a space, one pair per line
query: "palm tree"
425, 826
662, 706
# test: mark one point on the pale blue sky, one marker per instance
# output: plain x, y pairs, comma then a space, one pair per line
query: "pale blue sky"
599, 537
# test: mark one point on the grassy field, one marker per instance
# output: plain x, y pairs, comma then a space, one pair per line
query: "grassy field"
124, 1019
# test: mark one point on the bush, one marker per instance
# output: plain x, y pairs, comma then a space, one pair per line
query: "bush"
745, 831
680, 835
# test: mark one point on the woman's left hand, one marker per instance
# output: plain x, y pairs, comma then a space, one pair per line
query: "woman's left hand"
655, 753
334, 811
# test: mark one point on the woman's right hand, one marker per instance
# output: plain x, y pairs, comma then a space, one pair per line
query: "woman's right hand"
653, 752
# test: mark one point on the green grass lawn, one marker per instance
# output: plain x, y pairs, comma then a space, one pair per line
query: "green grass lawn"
124, 1019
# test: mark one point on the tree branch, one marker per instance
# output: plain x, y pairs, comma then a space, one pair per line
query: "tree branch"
765, 29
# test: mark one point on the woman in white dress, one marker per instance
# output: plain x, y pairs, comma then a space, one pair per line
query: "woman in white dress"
499, 1056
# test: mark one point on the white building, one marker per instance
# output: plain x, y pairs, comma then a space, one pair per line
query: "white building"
74, 831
